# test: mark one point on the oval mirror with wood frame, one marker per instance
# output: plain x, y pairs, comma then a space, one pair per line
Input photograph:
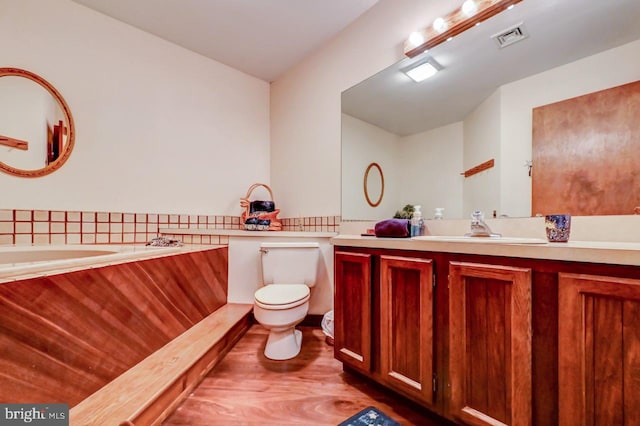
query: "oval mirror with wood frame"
37, 132
373, 184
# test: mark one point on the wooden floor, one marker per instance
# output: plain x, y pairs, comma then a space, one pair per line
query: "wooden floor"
248, 389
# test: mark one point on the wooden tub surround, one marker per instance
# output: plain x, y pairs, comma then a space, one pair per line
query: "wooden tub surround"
150, 391
65, 336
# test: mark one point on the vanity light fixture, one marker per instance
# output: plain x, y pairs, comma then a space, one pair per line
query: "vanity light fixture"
422, 70
440, 25
469, 8
470, 13
416, 38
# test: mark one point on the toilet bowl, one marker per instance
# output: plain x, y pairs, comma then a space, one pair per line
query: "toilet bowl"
288, 270
279, 308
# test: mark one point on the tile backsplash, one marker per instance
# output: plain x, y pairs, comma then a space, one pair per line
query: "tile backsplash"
22, 227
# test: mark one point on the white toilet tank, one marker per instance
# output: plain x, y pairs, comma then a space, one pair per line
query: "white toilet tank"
290, 263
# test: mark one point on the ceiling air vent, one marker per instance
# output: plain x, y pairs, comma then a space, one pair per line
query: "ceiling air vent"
511, 35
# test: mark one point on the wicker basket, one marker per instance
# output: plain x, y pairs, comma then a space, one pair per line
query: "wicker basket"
245, 203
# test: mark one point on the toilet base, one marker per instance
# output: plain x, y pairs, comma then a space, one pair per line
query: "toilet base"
283, 344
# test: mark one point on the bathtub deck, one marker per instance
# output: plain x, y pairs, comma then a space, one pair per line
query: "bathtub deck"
150, 391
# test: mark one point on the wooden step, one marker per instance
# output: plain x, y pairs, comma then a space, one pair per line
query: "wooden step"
148, 392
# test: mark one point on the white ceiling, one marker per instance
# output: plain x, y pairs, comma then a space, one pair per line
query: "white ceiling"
474, 66
262, 38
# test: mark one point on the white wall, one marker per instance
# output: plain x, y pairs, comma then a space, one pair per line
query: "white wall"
421, 169
24, 111
159, 128
305, 102
430, 164
364, 144
482, 143
305, 106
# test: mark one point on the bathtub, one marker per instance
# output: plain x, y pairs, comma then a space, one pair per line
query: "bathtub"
73, 318
18, 262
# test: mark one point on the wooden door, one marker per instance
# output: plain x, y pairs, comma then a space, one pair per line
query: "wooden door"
599, 350
490, 344
352, 309
585, 154
406, 325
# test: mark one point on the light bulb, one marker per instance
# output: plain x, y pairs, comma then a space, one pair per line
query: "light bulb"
469, 7
416, 38
440, 25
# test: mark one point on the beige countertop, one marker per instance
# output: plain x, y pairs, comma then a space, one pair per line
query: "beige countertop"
616, 253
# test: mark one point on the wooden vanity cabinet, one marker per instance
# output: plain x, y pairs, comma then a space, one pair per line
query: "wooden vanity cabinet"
406, 326
599, 350
453, 335
508, 341
352, 309
384, 320
490, 344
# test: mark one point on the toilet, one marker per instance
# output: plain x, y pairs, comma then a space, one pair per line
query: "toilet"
288, 272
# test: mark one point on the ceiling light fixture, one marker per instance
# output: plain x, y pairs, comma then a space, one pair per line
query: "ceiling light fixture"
422, 70
470, 13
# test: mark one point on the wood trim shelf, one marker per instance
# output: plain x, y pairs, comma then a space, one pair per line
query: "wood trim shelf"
14, 143
479, 168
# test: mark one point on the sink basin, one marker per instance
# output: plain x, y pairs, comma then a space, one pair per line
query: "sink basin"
490, 240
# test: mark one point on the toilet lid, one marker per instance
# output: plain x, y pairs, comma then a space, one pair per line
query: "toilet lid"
281, 294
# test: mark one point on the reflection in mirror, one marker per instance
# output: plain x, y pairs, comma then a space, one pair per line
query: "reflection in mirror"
373, 184
479, 106
36, 126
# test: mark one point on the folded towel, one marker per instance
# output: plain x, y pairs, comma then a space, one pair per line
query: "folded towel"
396, 228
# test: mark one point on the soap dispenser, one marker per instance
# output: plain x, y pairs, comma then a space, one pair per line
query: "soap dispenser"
417, 223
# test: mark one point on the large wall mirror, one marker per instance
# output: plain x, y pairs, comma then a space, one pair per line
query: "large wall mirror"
36, 127
478, 107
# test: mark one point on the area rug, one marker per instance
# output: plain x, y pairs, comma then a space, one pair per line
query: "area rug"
370, 416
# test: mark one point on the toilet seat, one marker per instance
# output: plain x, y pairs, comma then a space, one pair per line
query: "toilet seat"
282, 296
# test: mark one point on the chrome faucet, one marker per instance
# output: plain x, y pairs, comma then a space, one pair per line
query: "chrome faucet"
479, 227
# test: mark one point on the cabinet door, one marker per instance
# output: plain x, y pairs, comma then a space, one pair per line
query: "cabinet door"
406, 325
599, 350
490, 344
352, 309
